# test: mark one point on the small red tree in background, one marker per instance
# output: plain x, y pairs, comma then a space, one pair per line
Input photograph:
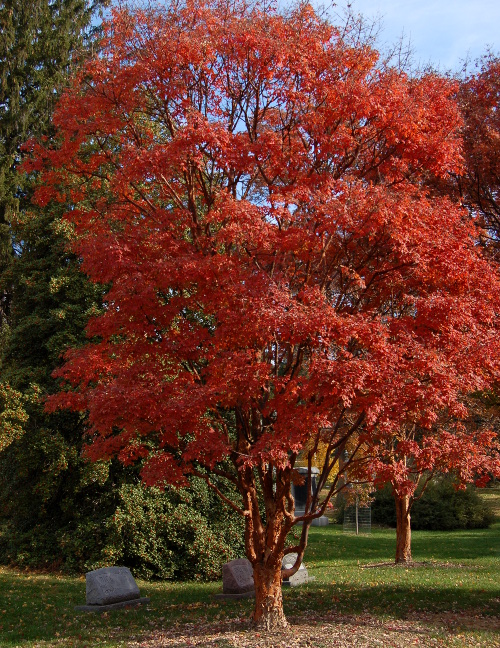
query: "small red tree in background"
410, 458
249, 185
479, 186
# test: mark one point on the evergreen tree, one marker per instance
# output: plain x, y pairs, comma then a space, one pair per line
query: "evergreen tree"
55, 508
44, 300
59, 510
42, 472
39, 41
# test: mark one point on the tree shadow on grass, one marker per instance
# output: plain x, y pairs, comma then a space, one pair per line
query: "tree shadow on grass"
49, 608
38, 610
395, 599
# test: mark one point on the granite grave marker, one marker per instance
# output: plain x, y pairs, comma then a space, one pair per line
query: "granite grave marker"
300, 576
237, 579
109, 588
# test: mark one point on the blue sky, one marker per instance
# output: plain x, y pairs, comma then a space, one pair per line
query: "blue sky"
442, 33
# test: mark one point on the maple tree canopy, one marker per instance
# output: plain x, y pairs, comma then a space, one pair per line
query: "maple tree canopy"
479, 100
251, 187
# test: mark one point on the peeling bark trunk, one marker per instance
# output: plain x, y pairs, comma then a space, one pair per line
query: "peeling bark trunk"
268, 614
403, 529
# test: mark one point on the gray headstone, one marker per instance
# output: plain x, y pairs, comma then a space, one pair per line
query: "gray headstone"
111, 585
300, 576
237, 577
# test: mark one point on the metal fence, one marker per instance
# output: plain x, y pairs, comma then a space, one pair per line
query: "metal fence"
357, 519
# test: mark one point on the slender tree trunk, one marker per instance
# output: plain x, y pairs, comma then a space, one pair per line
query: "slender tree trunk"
268, 614
403, 529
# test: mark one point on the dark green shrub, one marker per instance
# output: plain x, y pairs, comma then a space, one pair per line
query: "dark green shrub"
56, 510
442, 507
383, 507
182, 534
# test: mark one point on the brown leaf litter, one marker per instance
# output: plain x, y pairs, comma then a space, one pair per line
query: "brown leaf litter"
332, 631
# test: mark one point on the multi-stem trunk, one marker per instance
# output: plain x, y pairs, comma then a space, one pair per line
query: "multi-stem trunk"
403, 529
265, 541
268, 614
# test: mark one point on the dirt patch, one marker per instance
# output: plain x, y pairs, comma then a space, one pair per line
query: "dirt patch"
415, 564
335, 631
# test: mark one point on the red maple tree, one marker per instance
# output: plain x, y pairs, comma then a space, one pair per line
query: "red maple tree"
479, 186
249, 186
409, 458
412, 457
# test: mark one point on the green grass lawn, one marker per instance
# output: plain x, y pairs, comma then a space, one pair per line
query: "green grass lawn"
462, 571
461, 577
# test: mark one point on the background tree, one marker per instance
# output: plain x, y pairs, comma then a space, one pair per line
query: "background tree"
249, 185
55, 508
479, 186
39, 41
45, 483
442, 507
409, 460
